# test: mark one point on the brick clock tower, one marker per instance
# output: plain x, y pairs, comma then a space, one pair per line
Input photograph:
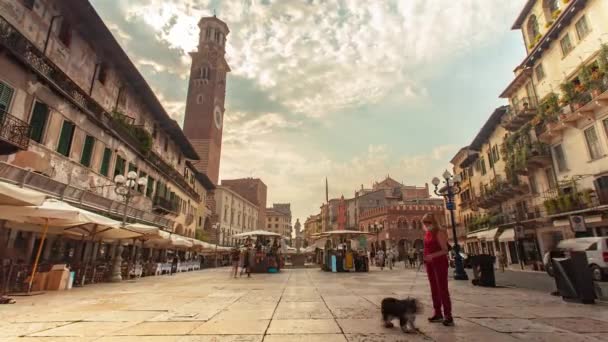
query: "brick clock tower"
204, 118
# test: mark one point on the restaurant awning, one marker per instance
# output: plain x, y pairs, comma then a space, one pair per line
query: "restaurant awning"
11, 194
507, 235
489, 234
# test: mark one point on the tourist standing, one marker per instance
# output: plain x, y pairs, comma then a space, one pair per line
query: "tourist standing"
380, 259
235, 255
436, 263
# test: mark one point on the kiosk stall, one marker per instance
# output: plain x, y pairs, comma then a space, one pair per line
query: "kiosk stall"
263, 250
342, 251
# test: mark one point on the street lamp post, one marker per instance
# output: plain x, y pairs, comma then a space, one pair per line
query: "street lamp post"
376, 228
127, 189
448, 191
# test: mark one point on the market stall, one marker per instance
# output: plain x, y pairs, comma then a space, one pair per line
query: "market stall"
342, 251
263, 250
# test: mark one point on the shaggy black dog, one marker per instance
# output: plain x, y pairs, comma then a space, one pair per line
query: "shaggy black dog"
405, 310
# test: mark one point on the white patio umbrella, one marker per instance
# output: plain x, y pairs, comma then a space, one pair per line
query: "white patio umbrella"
148, 232
11, 194
255, 233
60, 217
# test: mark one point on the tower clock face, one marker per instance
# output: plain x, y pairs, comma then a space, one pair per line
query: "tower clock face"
217, 116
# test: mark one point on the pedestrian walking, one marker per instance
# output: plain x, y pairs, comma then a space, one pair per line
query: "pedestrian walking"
246, 263
174, 264
380, 259
389, 258
436, 263
235, 255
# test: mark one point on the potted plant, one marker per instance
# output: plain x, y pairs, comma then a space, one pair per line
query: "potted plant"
568, 93
550, 206
602, 59
595, 83
556, 14
549, 23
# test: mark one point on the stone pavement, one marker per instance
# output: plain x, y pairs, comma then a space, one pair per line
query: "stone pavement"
296, 305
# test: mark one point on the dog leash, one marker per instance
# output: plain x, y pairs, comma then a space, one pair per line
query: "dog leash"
414, 281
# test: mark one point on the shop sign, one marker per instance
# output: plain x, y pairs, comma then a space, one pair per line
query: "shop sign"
577, 223
362, 241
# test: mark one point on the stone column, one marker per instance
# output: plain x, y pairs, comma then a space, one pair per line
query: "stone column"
116, 267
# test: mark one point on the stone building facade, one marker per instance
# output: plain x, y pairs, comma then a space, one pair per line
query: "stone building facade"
254, 190
236, 214
278, 219
399, 225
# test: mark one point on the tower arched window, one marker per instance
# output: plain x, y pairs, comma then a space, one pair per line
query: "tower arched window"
205, 73
532, 29
200, 98
550, 7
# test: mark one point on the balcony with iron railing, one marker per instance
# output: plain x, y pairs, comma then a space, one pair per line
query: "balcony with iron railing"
559, 202
15, 43
164, 206
580, 101
501, 191
519, 114
14, 134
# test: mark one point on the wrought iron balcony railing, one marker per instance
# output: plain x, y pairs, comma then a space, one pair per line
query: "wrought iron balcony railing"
14, 132
164, 205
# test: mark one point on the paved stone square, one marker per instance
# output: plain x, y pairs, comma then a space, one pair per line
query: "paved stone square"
294, 306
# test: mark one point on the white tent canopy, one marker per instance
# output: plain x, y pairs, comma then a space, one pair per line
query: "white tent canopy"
256, 233
15, 195
345, 232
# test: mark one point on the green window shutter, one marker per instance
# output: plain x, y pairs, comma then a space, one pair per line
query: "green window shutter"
132, 167
119, 168
38, 121
87, 151
6, 95
65, 140
105, 161
150, 187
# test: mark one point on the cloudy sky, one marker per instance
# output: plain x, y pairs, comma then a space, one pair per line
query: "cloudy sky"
351, 90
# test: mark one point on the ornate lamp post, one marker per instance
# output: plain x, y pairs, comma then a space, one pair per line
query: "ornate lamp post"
448, 191
127, 189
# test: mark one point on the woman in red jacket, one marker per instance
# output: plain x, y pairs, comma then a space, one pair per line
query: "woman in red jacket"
436, 264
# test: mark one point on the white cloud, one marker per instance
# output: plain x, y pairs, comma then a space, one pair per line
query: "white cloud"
320, 56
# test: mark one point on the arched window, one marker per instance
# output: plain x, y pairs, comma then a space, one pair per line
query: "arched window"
200, 98
532, 29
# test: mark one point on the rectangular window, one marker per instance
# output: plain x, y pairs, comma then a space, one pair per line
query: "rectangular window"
6, 95
566, 45
490, 159
87, 151
560, 159
166, 147
102, 74
105, 161
540, 72
593, 142
150, 187
119, 167
65, 33
132, 167
66, 137
482, 164
582, 28
122, 98
38, 120
550, 178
